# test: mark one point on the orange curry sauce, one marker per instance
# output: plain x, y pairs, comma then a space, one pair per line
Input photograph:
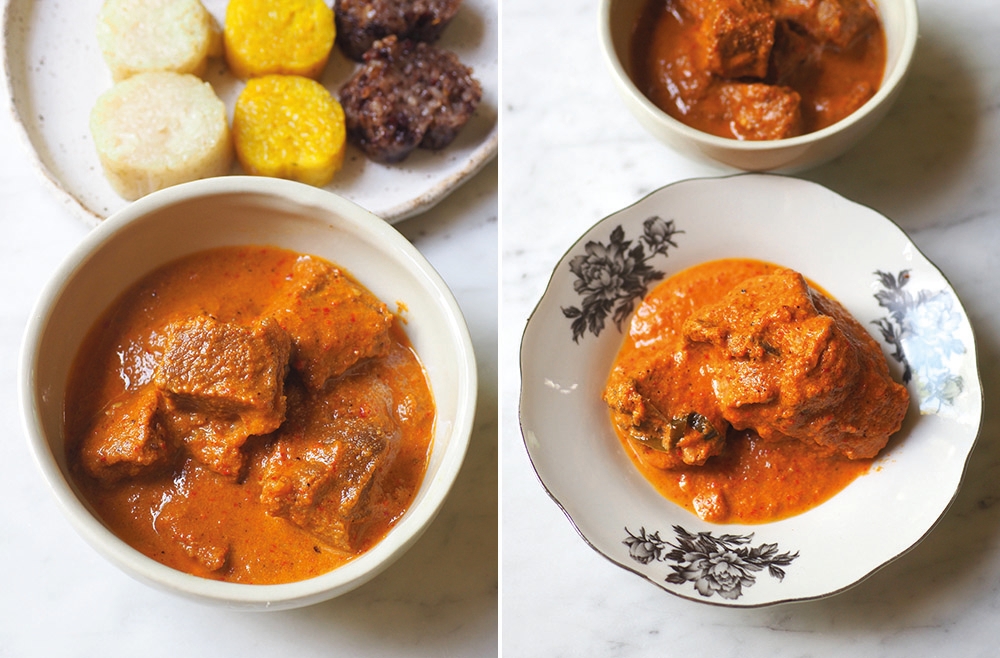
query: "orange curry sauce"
668, 65
752, 480
232, 284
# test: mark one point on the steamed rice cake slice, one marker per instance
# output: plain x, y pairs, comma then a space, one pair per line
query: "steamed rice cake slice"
139, 36
289, 126
284, 37
159, 129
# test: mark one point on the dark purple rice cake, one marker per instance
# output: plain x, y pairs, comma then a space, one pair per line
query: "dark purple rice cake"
407, 94
360, 23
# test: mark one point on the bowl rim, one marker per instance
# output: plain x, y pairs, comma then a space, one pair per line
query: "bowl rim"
885, 91
240, 595
974, 349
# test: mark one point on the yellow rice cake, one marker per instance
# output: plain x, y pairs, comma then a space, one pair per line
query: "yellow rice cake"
289, 37
138, 36
289, 127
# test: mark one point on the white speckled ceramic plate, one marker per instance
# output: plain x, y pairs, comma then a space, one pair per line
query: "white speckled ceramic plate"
55, 72
859, 257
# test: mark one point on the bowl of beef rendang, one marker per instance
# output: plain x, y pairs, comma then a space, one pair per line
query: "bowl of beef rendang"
762, 85
248, 392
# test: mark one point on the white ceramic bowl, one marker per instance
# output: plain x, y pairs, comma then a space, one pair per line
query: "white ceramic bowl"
899, 17
234, 211
836, 243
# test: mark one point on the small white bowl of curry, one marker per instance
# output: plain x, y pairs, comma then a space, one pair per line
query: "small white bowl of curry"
759, 85
248, 392
749, 390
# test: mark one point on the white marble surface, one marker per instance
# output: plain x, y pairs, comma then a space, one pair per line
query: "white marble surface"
59, 598
572, 154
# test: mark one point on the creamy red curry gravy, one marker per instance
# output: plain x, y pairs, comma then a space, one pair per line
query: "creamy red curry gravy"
249, 414
758, 69
746, 396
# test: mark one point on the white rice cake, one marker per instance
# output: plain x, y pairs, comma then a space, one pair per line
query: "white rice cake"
154, 130
137, 36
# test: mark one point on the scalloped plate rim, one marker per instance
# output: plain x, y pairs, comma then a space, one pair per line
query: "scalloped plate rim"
693, 596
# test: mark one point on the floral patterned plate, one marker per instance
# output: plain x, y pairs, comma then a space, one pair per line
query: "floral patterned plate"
859, 257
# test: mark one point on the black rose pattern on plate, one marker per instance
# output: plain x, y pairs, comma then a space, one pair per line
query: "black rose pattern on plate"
723, 565
611, 277
921, 328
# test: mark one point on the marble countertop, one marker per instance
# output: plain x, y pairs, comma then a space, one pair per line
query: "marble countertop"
58, 597
572, 154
